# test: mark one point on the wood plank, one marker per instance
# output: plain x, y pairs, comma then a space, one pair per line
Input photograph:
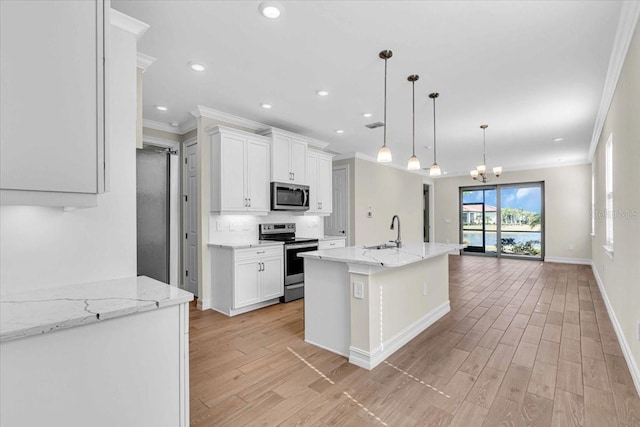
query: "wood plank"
532, 334
501, 357
548, 352
569, 377
568, 410
491, 338
536, 411
515, 383
594, 373
599, 408
469, 415
475, 363
543, 380
485, 388
525, 354
570, 350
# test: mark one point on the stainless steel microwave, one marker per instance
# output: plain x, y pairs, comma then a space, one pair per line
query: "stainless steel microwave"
289, 197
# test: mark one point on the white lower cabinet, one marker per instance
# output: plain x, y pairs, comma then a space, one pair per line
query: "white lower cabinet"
331, 243
246, 279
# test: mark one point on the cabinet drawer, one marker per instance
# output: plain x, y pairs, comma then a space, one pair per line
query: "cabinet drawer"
269, 251
330, 244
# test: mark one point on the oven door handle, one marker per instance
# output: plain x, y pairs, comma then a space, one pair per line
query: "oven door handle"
289, 287
301, 246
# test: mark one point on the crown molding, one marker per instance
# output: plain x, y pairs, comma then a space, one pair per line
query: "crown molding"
521, 168
127, 23
629, 14
210, 113
151, 124
160, 142
145, 61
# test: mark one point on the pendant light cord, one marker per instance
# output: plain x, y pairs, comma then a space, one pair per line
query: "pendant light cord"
413, 88
484, 146
384, 143
434, 131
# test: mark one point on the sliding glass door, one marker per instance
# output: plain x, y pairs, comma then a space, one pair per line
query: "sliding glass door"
503, 220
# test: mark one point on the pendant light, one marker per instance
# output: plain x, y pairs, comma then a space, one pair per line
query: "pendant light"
435, 169
413, 163
480, 172
384, 154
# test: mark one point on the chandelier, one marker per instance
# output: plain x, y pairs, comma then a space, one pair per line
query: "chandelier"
480, 172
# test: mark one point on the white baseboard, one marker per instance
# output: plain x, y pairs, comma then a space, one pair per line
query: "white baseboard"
203, 304
561, 260
367, 360
228, 311
626, 350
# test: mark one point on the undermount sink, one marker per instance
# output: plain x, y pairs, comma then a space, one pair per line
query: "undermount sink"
381, 246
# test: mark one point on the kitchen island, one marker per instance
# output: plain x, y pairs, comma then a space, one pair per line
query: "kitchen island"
365, 304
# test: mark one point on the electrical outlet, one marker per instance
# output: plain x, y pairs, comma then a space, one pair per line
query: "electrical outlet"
219, 225
232, 226
358, 290
425, 289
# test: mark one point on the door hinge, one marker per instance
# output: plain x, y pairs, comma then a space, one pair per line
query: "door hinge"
186, 235
187, 273
186, 197
185, 161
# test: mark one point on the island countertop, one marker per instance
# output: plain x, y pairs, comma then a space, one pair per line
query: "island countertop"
40, 311
391, 257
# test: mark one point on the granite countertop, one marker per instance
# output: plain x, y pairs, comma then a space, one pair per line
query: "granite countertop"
392, 257
244, 245
47, 310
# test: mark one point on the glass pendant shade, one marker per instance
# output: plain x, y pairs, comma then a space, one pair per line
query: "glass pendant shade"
435, 170
413, 164
497, 171
384, 154
481, 168
474, 174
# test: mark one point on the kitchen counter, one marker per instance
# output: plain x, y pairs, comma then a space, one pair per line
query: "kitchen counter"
41, 311
244, 245
365, 304
392, 257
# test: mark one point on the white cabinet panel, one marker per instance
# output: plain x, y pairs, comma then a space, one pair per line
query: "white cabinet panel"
246, 287
258, 176
239, 172
331, 244
319, 179
272, 280
53, 69
288, 157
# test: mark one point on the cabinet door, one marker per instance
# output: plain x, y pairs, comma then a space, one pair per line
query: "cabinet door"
258, 176
312, 182
298, 156
246, 289
232, 176
272, 280
52, 63
325, 186
280, 159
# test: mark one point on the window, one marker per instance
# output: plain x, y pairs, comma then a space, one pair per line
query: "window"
609, 214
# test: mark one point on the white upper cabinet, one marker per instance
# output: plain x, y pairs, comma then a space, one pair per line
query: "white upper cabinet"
288, 157
239, 172
319, 180
53, 115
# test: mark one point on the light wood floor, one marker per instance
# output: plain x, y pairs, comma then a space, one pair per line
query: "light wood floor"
525, 344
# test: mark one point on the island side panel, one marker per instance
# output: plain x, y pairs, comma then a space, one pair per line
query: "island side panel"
395, 308
327, 321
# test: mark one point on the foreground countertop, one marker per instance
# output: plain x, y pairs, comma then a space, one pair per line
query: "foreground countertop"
393, 257
48, 310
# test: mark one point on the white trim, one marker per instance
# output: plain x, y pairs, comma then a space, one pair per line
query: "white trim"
48, 198
161, 142
127, 23
624, 345
165, 127
369, 361
561, 260
203, 304
144, 61
629, 13
235, 311
608, 250
201, 111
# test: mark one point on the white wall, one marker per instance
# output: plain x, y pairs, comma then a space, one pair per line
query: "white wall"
619, 276
567, 193
46, 247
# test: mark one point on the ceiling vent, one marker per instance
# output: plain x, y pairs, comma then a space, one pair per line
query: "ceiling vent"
375, 125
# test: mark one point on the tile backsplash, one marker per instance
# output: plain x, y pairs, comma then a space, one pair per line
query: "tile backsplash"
244, 228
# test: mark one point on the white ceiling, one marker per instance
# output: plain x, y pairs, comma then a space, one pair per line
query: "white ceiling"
531, 70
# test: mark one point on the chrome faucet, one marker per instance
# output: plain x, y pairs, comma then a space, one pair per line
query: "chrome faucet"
398, 242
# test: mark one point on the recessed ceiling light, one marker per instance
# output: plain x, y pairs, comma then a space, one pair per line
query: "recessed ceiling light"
197, 67
558, 139
174, 124
367, 115
161, 108
270, 9
322, 92
266, 106
339, 131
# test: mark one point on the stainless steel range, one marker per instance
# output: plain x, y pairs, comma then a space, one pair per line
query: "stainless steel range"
293, 265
